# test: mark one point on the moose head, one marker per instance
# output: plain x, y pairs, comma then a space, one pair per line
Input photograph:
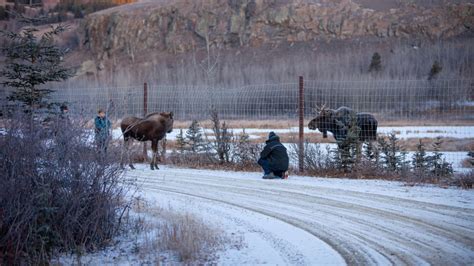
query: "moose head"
323, 120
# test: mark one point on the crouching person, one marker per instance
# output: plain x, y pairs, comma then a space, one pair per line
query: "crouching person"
274, 158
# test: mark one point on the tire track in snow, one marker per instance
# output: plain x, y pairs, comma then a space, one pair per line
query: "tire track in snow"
361, 233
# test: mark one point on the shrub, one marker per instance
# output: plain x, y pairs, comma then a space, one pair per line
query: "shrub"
57, 193
465, 180
317, 161
246, 153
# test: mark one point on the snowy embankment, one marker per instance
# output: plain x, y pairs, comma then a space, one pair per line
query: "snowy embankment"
307, 221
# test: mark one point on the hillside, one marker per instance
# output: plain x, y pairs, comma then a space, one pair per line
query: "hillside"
160, 34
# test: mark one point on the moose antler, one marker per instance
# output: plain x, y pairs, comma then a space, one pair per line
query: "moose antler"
320, 109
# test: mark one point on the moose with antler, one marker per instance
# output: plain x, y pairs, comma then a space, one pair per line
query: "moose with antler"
340, 120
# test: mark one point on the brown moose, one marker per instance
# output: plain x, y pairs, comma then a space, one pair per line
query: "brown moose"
152, 127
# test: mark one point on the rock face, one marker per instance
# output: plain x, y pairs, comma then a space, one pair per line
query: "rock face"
186, 25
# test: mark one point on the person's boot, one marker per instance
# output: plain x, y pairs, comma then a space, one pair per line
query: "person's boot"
271, 175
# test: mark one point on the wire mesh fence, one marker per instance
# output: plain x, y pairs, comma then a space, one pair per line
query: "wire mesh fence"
414, 109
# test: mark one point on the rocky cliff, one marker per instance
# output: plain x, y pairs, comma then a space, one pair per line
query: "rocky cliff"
186, 25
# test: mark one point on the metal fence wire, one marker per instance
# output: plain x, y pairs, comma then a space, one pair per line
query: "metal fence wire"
447, 105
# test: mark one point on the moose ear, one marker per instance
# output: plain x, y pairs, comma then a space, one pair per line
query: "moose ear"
171, 115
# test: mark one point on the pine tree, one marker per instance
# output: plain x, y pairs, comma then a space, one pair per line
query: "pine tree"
375, 63
194, 137
223, 137
348, 151
33, 60
244, 148
438, 165
371, 153
180, 142
436, 68
227, 138
392, 154
420, 160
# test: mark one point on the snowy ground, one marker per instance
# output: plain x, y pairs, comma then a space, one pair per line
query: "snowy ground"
308, 221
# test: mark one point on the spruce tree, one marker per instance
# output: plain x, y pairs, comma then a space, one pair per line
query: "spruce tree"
392, 154
32, 60
348, 150
242, 147
420, 160
436, 68
223, 137
180, 142
194, 137
371, 152
438, 165
375, 63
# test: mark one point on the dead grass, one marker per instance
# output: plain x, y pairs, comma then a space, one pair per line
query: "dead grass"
239, 124
204, 161
468, 163
449, 144
187, 238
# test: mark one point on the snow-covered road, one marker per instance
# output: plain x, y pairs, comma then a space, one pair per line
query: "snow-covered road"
307, 221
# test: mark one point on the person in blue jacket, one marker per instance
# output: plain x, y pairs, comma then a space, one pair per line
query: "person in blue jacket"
102, 130
274, 158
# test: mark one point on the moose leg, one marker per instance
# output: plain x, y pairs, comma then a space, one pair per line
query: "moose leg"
359, 151
122, 153
154, 147
128, 142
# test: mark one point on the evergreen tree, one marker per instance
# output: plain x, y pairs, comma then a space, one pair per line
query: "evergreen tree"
438, 165
436, 68
32, 60
392, 154
371, 152
223, 137
375, 63
420, 160
243, 142
180, 142
348, 151
194, 137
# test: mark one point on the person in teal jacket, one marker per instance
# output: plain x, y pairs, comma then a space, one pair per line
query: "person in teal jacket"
102, 130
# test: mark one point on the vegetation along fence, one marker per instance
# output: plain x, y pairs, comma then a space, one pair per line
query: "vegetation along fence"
412, 109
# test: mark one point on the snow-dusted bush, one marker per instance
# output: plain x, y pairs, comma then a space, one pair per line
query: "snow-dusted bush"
57, 192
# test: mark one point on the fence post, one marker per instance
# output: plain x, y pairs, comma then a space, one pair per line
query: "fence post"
301, 126
145, 111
